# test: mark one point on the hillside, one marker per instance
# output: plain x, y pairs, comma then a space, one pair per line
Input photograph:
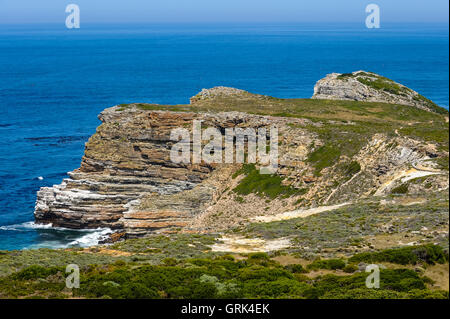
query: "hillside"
357, 177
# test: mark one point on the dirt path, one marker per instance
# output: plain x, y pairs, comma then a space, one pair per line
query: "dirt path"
300, 213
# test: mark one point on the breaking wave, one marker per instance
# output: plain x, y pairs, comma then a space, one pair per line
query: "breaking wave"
59, 237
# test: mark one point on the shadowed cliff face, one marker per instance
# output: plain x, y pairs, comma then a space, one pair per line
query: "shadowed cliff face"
329, 153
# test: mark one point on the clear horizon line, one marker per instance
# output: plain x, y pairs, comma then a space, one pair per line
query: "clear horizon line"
225, 22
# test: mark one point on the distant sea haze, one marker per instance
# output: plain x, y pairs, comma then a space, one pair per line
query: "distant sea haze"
55, 81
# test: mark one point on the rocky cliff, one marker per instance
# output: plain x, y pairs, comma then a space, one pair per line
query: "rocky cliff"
330, 152
371, 87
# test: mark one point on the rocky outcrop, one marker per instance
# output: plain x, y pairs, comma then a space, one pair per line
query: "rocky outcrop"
218, 91
370, 87
127, 182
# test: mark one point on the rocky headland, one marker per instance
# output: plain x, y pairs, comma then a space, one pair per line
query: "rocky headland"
363, 178
331, 151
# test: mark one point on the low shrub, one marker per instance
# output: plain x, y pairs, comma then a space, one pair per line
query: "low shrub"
35, 272
295, 268
429, 254
401, 189
262, 184
330, 264
350, 268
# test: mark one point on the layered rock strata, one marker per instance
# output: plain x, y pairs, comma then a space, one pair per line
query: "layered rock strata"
127, 180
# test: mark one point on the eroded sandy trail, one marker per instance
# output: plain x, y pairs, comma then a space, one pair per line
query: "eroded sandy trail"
300, 213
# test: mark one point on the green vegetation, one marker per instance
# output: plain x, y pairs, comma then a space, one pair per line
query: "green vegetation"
345, 76
330, 264
429, 132
269, 185
394, 283
401, 189
342, 139
384, 84
429, 254
353, 168
350, 268
257, 276
443, 162
313, 109
431, 104
324, 156
150, 250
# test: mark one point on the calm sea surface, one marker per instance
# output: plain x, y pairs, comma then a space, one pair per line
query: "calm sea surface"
54, 82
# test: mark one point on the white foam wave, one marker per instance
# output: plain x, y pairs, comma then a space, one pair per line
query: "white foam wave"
91, 239
25, 226
86, 237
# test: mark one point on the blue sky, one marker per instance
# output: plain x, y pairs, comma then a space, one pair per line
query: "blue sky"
157, 11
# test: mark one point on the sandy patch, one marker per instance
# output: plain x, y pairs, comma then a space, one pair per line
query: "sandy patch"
238, 244
300, 213
386, 241
291, 260
110, 252
440, 274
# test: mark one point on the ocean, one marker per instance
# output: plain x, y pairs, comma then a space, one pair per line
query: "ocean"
55, 81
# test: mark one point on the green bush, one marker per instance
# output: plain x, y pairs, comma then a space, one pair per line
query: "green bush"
263, 184
380, 83
350, 268
128, 290
35, 272
295, 268
429, 254
330, 264
280, 288
324, 156
352, 168
223, 277
401, 189
263, 273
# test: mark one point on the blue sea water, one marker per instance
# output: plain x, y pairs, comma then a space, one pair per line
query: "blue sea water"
55, 81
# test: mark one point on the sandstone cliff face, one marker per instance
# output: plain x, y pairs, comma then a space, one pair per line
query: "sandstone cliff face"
368, 86
126, 180
126, 158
